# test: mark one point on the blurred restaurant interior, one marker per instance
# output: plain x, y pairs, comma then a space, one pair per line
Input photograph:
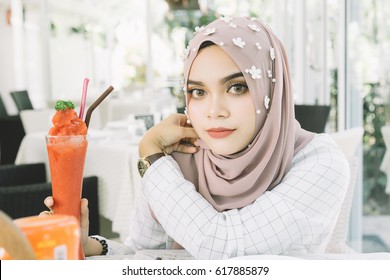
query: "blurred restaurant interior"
339, 57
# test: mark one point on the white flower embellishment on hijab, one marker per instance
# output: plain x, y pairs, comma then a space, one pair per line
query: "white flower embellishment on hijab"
209, 31
255, 72
266, 102
199, 29
186, 53
254, 27
233, 25
239, 42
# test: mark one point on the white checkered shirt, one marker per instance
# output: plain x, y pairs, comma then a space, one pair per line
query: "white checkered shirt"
296, 217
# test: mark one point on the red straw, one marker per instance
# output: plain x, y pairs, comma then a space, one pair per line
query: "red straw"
83, 98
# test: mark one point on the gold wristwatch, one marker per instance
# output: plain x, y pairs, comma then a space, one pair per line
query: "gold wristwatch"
145, 162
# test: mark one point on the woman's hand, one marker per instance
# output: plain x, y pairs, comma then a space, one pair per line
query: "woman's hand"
170, 135
89, 245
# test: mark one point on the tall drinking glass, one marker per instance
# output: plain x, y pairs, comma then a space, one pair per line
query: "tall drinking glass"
66, 159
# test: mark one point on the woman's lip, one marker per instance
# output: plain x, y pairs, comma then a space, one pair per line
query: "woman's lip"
220, 132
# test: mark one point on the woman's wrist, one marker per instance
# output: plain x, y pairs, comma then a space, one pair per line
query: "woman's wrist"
93, 247
147, 146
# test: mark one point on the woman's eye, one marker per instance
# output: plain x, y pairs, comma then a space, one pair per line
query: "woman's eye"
196, 93
238, 89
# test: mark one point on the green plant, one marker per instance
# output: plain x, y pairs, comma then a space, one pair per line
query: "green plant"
374, 181
333, 116
188, 20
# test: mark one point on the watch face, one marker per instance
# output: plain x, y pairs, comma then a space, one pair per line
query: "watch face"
143, 165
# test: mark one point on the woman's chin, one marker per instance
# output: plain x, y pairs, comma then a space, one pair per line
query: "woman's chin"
223, 150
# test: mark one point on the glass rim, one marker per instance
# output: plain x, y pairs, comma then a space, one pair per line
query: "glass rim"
66, 136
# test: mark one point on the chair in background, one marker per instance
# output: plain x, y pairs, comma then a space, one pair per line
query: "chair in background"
312, 117
349, 141
23, 189
3, 110
37, 120
23, 174
22, 100
11, 135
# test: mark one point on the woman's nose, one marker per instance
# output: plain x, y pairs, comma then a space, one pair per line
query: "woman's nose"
217, 108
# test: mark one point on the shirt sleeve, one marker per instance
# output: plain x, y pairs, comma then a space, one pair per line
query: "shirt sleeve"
145, 231
296, 217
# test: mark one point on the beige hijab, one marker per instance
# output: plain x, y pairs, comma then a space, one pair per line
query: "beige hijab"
239, 179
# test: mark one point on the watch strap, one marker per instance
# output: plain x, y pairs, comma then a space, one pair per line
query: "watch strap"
145, 162
154, 157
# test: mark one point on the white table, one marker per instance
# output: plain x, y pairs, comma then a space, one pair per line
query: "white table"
184, 255
113, 160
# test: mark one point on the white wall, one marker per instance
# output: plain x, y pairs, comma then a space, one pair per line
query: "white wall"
22, 54
6, 61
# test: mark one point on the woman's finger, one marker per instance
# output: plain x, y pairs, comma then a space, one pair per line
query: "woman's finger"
49, 202
181, 119
190, 142
84, 219
185, 148
46, 213
188, 132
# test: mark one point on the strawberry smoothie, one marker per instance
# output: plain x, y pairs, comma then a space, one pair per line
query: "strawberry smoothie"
67, 148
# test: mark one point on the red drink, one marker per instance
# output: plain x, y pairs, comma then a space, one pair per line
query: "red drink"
66, 148
67, 158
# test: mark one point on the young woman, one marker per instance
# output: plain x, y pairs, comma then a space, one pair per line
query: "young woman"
237, 175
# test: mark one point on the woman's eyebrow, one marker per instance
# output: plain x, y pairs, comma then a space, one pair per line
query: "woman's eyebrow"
222, 81
195, 83
232, 76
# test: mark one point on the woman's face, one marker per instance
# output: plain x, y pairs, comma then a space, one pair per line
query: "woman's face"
220, 105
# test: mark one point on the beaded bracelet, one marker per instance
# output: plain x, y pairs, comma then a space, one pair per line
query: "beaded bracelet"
104, 244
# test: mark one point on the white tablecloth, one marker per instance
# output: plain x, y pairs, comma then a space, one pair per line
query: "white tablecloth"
184, 255
112, 160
